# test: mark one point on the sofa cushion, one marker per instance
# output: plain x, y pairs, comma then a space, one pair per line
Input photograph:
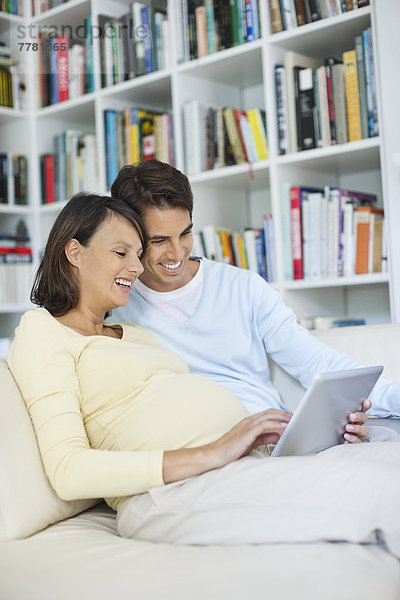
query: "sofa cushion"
368, 344
28, 503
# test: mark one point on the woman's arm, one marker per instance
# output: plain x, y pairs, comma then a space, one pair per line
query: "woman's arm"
262, 428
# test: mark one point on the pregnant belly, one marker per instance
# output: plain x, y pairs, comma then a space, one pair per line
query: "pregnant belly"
175, 412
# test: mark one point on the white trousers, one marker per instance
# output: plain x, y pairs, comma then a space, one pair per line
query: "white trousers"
347, 493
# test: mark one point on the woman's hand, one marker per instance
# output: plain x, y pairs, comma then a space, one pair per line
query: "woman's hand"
262, 428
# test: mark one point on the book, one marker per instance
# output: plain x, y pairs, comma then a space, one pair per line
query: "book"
352, 95
362, 88
291, 60
256, 118
275, 16
234, 135
363, 219
339, 102
281, 109
297, 196
306, 132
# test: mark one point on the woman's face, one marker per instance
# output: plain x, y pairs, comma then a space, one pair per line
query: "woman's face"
109, 265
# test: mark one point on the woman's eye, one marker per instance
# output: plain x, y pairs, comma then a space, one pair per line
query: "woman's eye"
120, 253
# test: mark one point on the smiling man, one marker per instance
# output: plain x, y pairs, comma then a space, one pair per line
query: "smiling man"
221, 319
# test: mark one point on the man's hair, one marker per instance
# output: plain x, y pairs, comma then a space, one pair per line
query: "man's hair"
153, 184
55, 286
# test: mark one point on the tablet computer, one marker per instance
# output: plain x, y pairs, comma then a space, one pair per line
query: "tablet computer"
319, 420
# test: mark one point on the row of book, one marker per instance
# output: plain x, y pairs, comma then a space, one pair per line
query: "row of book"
66, 64
41, 6
71, 168
134, 44
219, 137
325, 322
13, 179
207, 26
333, 103
15, 274
330, 232
12, 81
12, 7
253, 248
135, 134
289, 14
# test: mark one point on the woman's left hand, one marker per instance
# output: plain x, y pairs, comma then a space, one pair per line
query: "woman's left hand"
355, 429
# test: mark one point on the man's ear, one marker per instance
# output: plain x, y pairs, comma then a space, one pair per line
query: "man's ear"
72, 252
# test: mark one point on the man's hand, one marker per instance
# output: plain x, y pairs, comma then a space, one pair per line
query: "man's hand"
355, 429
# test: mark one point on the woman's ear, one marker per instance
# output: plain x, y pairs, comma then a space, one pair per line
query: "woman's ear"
72, 252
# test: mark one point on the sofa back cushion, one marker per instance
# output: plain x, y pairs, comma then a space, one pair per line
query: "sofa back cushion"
368, 344
28, 503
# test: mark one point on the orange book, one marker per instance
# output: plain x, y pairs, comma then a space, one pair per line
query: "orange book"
352, 95
362, 228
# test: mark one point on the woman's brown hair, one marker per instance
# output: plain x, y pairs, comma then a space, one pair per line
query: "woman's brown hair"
54, 285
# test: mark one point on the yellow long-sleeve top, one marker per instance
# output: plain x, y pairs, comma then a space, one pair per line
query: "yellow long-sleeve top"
105, 409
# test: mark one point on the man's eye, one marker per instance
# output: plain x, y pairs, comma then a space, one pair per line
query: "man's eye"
157, 241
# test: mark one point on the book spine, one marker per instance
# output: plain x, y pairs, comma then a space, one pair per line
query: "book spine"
201, 31
210, 26
62, 68
352, 95
301, 15
275, 16
146, 14
358, 43
296, 233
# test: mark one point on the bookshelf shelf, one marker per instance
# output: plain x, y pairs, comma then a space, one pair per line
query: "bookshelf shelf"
153, 89
14, 308
14, 209
241, 77
56, 16
69, 107
374, 278
352, 156
233, 176
326, 35
240, 65
9, 114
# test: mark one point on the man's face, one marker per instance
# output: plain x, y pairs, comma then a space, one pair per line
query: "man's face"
166, 262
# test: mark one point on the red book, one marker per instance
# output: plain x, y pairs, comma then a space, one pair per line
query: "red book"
62, 67
295, 232
49, 182
297, 194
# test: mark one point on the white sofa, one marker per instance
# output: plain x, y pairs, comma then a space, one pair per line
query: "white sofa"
54, 550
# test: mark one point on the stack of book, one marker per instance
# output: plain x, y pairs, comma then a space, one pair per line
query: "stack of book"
15, 269
71, 168
40, 6
134, 44
324, 322
219, 137
289, 14
66, 64
207, 26
13, 179
330, 232
319, 105
12, 85
252, 248
12, 7
136, 134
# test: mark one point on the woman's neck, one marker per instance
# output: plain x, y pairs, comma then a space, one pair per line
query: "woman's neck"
83, 321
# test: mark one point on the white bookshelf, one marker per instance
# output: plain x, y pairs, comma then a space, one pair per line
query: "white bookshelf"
242, 77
